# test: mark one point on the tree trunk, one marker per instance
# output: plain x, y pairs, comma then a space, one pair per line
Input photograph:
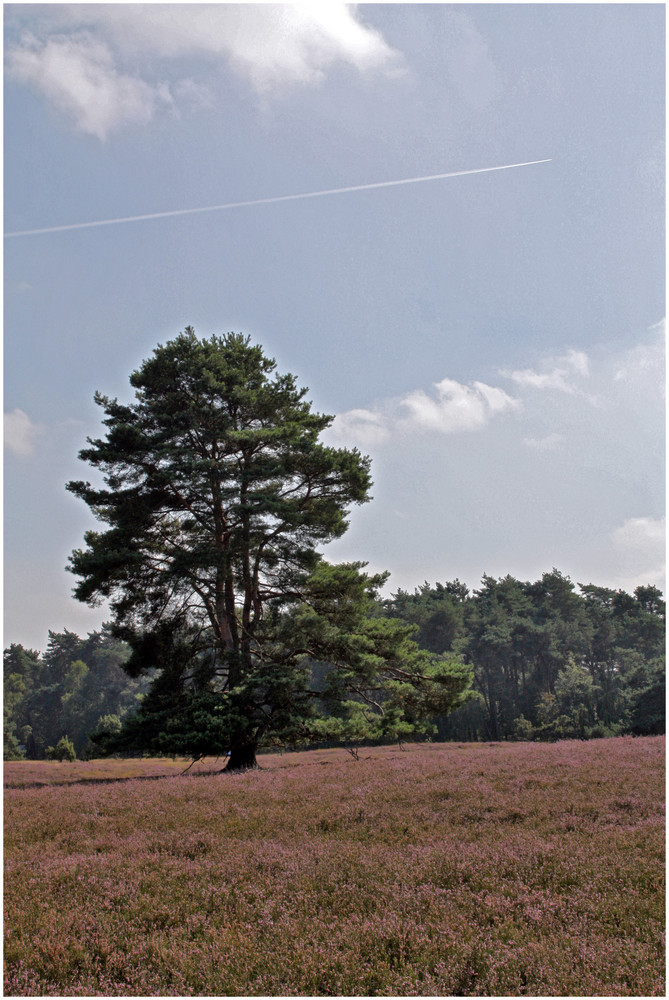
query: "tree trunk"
242, 757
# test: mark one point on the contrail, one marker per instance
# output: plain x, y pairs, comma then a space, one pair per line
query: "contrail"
267, 201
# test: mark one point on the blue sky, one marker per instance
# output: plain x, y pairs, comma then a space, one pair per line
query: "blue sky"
494, 341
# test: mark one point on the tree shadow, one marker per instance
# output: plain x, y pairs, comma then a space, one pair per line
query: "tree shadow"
111, 781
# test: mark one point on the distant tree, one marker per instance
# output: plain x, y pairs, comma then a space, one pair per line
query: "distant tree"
647, 687
626, 654
437, 611
68, 690
64, 750
21, 672
523, 729
217, 496
548, 661
11, 748
575, 697
96, 686
506, 650
109, 724
469, 722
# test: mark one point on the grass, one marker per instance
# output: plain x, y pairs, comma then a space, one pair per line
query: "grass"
466, 870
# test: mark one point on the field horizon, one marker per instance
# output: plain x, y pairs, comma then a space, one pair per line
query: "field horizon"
449, 869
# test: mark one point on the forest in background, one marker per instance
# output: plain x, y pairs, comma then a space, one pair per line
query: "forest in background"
76, 687
550, 661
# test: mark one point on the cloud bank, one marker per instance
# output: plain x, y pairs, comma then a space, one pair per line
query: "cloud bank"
559, 462
458, 407
97, 63
631, 380
453, 409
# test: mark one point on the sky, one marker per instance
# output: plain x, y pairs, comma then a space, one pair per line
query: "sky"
493, 340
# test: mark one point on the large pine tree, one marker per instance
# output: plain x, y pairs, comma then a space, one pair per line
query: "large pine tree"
217, 496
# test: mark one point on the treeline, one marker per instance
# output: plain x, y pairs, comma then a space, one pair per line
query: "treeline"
53, 701
549, 662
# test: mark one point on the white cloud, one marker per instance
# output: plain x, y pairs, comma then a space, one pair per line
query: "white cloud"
269, 44
623, 387
365, 427
76, 63
579, 362
639, 545
20, 432
560, 376
284, 43
457, 407
537, 380
77, 74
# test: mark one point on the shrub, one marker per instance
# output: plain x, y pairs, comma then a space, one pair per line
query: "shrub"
523, 730
64, 750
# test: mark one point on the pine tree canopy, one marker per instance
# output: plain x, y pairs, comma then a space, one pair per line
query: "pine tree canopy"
217, 498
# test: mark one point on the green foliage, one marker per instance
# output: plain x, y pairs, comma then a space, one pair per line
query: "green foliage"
68, 690
575, 696
64, 750
438, 613
109, 724
20, 666
523, 729
217, 495
11, 749
648, 699
549, 662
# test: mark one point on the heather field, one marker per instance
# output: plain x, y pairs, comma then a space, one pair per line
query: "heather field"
451, 869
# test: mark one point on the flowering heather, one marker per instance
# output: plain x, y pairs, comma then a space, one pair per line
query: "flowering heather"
470, 870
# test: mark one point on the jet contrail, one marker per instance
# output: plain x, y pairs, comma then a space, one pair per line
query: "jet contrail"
267, 201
